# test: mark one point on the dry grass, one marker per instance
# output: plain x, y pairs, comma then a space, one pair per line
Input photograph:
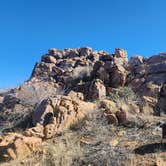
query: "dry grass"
93, 142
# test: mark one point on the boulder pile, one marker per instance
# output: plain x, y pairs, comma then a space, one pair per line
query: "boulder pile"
66, 85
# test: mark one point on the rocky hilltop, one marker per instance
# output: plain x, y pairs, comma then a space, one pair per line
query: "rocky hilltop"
68, 85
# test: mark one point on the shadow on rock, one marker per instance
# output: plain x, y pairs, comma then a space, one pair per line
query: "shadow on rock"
151, 148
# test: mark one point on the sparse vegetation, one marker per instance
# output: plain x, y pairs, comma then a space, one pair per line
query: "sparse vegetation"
124, 94
86, 128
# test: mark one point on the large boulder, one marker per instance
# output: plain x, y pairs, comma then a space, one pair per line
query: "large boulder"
17, 146
85, 51
136, 61
55, 114
118, 76
48, 59
76, 95
147, 76
112, 69
121, 56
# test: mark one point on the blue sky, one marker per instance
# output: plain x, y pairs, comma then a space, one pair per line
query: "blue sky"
28, 28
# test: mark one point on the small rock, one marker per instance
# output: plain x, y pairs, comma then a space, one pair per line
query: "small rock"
121, 116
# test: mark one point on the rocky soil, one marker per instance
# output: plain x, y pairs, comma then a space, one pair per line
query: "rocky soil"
88, 108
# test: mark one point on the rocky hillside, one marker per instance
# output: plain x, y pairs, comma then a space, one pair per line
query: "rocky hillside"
69, 85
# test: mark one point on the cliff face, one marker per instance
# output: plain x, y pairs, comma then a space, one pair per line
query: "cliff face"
65, 85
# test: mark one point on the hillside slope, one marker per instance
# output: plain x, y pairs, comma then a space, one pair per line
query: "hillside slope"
103, 101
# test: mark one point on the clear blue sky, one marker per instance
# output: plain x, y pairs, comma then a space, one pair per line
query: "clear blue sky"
28, 28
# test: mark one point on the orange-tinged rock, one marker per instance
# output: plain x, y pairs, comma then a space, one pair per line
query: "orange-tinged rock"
17, 146
21, 148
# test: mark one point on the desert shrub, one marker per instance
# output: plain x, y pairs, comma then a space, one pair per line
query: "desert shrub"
64, 152
99, 151
68, 149
125, 94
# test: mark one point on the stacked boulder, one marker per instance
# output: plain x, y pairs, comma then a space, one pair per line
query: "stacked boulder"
55, 114
51, 117
147, 76
17, 146
60, 89
114, 115
112, 69
70, 68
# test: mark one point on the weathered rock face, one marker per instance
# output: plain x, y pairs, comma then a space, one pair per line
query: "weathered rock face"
76, 95
114, 115
135, 61
90, 74
162, 99
121, 56
53, 115
69, 67
147, 76
112, 69
97, 90
17, 106
57, 94
66, 67
79, 70
16, 146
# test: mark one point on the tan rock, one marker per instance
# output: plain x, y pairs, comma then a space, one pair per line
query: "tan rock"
84, 51
76, 95
148, 75
33, 143
64, 110
97, 90
1, 99
120, 53
11, 154
108, 105
21, 148
37, 131
52, 59
118, 76
151, 100
49, 59
49, 131
135, 61
39, 115
114, 142
17, 146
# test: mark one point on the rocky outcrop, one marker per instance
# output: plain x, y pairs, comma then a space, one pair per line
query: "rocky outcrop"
112, 69
66, 67
97, 90
114, 115
60, 89
90, 74
73, 66
17, 106
161, 105
16, 146
147, 76
79, 70
53, 115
